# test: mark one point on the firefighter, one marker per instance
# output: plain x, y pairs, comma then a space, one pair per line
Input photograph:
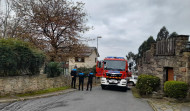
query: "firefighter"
81, 80
90, 78
73, 75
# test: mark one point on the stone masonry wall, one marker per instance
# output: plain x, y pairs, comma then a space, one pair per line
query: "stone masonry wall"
156, 65
22, 84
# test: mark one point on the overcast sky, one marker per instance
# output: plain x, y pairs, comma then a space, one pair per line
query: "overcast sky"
125, 24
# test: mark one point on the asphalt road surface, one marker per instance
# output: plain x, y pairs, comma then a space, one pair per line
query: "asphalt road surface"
95, 100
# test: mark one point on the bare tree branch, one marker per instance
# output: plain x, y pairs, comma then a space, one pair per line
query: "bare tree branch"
54, 25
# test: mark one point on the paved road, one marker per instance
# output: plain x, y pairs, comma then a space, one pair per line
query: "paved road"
95, 100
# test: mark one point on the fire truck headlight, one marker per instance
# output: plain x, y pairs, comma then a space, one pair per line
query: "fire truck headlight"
123, 81
103, 79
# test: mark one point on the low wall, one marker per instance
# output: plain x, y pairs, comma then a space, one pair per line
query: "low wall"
23, 84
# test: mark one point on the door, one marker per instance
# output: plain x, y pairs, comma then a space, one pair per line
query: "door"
170, 74
99, 69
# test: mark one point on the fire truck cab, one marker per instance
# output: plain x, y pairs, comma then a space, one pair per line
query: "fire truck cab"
113, 72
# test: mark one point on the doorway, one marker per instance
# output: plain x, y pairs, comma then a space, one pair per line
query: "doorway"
169, 74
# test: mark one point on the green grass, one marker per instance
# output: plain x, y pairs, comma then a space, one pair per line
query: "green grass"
5, 96
43, 91
135, 92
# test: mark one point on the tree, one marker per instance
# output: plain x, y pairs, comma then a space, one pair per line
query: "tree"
9, 23
4, 19
142, 48
130, 54
146, 45
52, 25
163, 34
150, 40
174, 34
19, 58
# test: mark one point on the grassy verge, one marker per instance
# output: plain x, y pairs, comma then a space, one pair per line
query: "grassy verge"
135, 92
5, 96
43, 91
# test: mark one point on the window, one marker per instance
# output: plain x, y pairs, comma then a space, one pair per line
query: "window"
115, 65
135, 77
95, 60
79, 59
100, 64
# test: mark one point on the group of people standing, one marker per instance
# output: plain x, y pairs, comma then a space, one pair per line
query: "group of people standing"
81, 76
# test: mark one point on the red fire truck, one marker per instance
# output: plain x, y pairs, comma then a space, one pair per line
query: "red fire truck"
113, 72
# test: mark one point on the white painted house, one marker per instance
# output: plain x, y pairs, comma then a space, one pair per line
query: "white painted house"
87, 59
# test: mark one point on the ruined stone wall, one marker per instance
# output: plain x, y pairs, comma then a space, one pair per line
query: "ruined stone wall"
153, 64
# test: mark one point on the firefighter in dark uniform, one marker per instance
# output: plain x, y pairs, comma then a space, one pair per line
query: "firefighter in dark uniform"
90, 81
73, 75
81, 80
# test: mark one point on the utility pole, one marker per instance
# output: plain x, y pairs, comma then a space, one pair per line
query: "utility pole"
97, 42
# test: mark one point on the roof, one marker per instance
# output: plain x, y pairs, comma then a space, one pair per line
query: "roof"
88, 51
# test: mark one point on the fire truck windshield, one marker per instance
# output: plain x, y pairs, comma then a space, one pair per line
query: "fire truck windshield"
114, 65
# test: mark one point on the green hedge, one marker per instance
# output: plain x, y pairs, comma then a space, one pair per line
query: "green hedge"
175, 89
86, 71
53, 69
19, 58
147, 84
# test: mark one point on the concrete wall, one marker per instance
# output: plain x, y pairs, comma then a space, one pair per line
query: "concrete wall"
22, 84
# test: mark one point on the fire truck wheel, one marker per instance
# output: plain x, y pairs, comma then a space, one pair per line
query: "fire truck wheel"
103, 87
125, 89
130, 84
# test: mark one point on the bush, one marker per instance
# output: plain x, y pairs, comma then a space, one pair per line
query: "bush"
175, 89
19, 58
147, 84
94, 69
86, 71
53, 69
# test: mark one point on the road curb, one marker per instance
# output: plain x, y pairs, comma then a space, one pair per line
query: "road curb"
37, 96
151, 104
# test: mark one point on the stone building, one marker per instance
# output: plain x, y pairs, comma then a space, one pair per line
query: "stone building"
167, 59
